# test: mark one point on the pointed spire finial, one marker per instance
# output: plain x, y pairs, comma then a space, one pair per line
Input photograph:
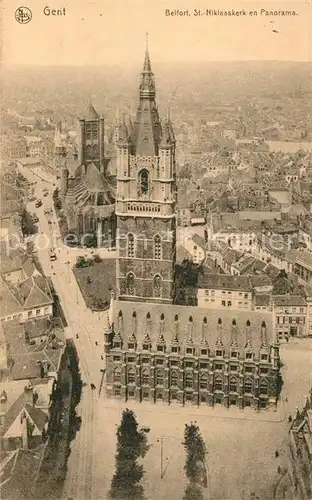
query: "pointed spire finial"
147, 68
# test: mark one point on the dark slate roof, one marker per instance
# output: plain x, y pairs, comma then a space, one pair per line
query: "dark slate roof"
289, 300
223, 281
148, 320
38, 416
262, 300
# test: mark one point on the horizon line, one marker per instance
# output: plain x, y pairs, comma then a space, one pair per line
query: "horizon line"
127, 64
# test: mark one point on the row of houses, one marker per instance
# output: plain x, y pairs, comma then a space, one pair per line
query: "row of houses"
236, 280
32, 349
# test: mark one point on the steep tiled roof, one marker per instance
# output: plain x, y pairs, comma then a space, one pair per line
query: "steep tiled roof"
223, 281
10, 300
262, 300
35, 292
38, 416
189, 321
289, 300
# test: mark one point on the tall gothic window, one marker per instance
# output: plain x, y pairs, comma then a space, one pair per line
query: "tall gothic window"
233, 384
159, 377
131, 377
203, 382
143, 181
117, 375
130, 246
248, 385
218, 383
157, 247
189, 380
145, 377
157, 288
130, 284
174, 378
95, 151
263, 387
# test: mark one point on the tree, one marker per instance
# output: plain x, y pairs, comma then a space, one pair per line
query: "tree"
195, 462
131, 445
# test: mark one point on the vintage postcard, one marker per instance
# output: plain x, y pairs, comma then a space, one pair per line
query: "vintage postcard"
156, 250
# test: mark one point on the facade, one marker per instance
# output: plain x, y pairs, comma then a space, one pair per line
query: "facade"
156, 350
87, 192
217, 291
145, 201
300, 441
291, 313
181, 354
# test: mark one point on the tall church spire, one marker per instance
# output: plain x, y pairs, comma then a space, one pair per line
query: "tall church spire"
147, 85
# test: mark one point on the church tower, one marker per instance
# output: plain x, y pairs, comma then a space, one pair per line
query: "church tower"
91, 139
145, 202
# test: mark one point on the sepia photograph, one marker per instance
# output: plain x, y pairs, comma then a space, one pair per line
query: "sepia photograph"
156, 250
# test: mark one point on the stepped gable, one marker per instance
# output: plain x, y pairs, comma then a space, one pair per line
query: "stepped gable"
215, 319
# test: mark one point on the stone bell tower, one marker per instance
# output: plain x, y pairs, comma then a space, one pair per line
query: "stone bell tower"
145, 202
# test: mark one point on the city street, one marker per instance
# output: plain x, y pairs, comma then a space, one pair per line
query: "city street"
84, 326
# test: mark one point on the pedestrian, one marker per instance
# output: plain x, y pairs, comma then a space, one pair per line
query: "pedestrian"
77, 336
276, 453
286, 400
102, 357
96, 343
289, 418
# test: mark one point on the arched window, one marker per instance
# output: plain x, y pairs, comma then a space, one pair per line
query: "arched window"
130, 284
189, 380
218, 383
157, 286
143, 181
117, 375
174, 378
157, 247
233, 384
248, 385
89, 152
145, 377
159, 377
203, 382
131, 377
130, 246
263, 387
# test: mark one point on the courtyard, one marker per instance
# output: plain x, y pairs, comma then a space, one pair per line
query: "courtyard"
241, 446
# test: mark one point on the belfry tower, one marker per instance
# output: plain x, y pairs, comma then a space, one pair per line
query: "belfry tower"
145, 202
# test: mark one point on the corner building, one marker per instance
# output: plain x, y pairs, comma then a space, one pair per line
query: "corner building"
156, 350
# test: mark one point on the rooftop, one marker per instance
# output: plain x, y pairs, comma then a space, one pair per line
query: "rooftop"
289, 300
187, 322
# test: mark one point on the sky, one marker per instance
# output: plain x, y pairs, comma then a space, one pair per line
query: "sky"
113, 32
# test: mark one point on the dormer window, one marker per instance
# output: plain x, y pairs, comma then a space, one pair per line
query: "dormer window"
219, 353
264, 357
189, 350
234, 354
204, 352
146, 347
117, 345
174, 349
131, 345
249, 355
160, 348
